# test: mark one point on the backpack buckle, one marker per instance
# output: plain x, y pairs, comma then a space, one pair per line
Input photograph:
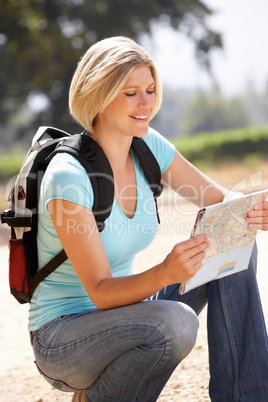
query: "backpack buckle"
6, 214
100, 225
158, 190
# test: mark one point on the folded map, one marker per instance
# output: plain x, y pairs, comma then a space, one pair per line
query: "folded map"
231, 240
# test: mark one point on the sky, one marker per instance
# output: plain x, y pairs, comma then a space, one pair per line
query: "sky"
242, 62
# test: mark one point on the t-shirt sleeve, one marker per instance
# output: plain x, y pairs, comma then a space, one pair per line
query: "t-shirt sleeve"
162, 149
67, 179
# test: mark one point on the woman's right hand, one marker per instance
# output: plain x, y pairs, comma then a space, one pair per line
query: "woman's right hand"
84, 249
185, 259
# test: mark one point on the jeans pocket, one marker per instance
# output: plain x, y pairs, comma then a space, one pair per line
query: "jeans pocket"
57, 384
45, 335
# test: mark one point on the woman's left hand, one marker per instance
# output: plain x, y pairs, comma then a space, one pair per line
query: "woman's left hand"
257, 218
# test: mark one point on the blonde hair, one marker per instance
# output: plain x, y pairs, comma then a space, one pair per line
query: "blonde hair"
102, 73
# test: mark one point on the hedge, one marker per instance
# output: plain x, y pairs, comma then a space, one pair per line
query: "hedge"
10, 165
230, 145
209, 148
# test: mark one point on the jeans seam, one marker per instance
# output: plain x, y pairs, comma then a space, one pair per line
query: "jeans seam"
231, 339
59, 349
167, 295
56, 383
47, 327
172, 292
157, 364
85, 338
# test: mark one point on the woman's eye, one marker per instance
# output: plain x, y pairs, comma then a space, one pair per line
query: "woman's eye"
149, 92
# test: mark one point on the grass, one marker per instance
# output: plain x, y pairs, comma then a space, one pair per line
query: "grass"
10, 165
229, 146
229, 151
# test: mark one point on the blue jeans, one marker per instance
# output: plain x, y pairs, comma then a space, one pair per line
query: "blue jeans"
128, 354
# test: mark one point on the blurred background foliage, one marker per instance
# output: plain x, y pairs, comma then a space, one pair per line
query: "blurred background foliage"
248, 145
41, 42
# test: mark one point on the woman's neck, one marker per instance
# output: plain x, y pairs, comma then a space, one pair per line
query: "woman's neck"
115, 148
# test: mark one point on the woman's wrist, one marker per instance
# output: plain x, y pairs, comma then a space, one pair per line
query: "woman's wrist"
232, 195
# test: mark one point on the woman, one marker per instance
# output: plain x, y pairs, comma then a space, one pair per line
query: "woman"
96, 328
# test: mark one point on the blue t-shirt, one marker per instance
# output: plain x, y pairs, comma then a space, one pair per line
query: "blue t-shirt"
62, 292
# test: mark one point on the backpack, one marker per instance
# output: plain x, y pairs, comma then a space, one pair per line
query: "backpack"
23, 213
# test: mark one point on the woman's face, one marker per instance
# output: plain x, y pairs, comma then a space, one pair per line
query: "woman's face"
130, 112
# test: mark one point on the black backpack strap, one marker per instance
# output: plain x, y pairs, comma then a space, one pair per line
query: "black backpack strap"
15, 222
150, 167
93, 159
47, 270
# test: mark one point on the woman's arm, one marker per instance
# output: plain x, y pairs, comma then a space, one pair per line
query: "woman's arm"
190, 183
86, 253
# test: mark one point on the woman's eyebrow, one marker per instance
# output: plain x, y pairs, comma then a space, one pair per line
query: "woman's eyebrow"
137, 86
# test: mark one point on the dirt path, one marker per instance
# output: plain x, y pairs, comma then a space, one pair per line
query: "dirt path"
19, 379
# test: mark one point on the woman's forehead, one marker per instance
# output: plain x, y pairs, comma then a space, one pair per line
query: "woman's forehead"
140, 75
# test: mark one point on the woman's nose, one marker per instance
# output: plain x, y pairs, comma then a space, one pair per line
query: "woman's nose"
145, 100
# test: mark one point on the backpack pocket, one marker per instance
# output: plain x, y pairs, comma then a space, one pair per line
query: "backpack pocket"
18, 277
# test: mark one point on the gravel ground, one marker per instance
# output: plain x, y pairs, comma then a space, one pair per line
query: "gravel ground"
19, 379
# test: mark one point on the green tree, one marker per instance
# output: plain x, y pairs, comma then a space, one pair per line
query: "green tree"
257, 103
41, 41
211, 112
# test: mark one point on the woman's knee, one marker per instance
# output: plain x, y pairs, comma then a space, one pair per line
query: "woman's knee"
179, 325
185, 328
